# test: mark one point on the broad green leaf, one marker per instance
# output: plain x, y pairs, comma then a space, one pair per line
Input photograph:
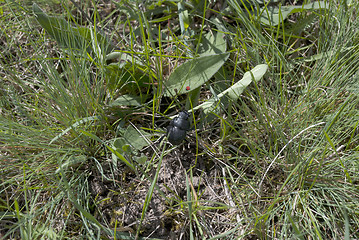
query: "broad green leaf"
212, 43
135, 137
183, 17
235, 90
126, 100
194, 73
67, 36
120, 55
118, 144
132, 141
272, 15
141, 160
116, 153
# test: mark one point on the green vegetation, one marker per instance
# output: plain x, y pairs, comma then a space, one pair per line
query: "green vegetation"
87, 89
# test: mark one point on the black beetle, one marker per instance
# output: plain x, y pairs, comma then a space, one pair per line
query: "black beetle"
177, 130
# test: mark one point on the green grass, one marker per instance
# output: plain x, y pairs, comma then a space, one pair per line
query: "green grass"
79, 113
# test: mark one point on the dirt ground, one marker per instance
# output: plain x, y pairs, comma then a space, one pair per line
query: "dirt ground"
167, 215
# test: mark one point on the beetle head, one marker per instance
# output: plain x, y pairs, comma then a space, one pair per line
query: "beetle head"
184, 114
